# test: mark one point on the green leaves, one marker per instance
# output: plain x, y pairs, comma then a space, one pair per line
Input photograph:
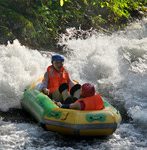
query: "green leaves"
40, 22
62, 2
104, 4
85, 1
120, 8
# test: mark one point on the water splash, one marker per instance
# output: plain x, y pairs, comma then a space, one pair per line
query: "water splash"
116, 64
19, 66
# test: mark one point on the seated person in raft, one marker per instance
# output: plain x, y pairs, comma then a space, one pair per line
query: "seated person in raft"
90, 100
57, 80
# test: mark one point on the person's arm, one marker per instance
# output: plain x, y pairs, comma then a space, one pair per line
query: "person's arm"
45, 84
76, 106
70, 82
45, 80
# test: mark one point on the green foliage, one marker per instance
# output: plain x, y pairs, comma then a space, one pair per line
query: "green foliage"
38, 23
98, 21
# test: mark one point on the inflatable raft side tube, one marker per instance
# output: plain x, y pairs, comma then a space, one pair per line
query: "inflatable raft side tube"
37, 104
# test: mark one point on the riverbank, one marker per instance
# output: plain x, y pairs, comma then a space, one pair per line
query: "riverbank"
38, 24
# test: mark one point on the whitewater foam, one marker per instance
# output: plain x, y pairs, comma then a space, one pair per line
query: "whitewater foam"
19, 66
116, 64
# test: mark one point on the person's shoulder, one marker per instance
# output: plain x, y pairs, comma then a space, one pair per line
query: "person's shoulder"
98, 94
49, 67
65, 69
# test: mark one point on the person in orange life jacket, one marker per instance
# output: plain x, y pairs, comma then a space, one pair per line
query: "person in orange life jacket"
89, 101
57, 80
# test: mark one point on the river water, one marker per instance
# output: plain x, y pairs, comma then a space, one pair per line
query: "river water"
116, 64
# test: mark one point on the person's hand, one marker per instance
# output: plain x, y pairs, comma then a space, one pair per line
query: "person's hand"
58, 104
46, 91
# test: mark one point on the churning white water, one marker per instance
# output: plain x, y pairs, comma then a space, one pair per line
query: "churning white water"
116, 65
18, 67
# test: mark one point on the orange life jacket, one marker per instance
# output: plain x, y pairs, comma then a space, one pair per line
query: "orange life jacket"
56, 78
92, 103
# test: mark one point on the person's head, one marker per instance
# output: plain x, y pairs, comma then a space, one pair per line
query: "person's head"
57, 61
87, 90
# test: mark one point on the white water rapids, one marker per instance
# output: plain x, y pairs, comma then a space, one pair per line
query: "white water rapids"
116, 64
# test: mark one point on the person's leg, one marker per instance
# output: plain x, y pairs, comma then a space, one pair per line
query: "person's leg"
57, 96
63, 89
62, 94
75, 91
